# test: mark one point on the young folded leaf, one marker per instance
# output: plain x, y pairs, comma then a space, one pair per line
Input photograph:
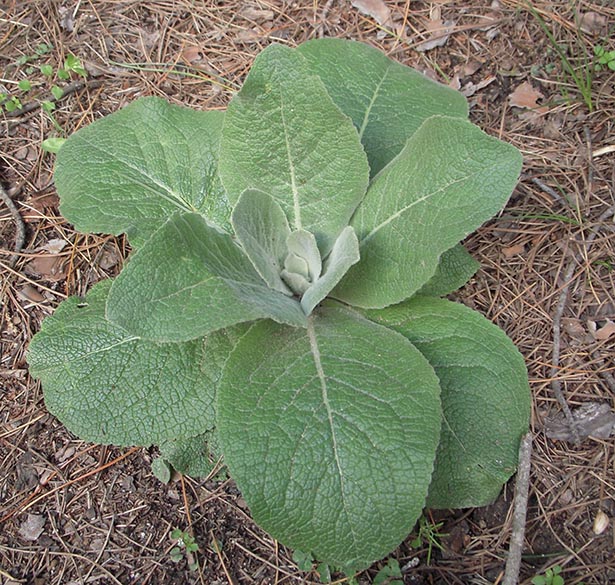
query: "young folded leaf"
189, 280
262, 229
284, 135
344, 254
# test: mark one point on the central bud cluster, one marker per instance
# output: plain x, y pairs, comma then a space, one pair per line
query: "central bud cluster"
303, 264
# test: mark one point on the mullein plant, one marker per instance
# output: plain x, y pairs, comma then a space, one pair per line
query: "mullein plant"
283, 303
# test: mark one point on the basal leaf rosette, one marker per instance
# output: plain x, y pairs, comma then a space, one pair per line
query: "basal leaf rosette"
282, 302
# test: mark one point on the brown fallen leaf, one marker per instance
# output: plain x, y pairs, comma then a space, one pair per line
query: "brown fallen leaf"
377, 9
525, 96
256, 14
593, 419
191, 54
469, 68
248, 35
593, 23
603, 333
49, 267
439, 32
32, 527
29, 293
515, 250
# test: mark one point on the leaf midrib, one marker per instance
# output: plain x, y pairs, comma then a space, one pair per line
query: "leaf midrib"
418, 201
174, 198
291, 168
315, 351
372, 102
88, 354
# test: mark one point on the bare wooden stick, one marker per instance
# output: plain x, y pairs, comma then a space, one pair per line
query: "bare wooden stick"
20, 233
556, 385
522, 489
323, 17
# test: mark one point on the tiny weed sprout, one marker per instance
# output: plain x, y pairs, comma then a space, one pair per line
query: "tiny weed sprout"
185, 546
551, 577
603, 58
284, 303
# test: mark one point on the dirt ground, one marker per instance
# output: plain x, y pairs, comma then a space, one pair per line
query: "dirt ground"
73, 513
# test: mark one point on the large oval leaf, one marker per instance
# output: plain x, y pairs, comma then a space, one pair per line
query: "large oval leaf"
108, 386
143, 163
449, 179
188, 280
284, 135
485, 397
386, 100
330, 433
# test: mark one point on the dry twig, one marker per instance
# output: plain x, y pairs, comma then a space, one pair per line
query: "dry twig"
20, 235
522, 488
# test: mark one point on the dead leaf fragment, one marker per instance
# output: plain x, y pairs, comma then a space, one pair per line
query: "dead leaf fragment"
525, 96
603, 333
439, 33
67, 19
32, 527
248, 35
191, 54
257, 14
601, 522
593, 23
54, 246
29, 293
469, 89
49, 267
575, 329
377, 9
515, 250
593, 419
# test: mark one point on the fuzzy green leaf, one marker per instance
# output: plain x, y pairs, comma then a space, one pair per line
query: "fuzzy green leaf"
455, 268
262, 229
448, 180
386, 100
344, 254
330, 433
284, 135
485, 397
190, 279
107, 386
194, 456
143, 163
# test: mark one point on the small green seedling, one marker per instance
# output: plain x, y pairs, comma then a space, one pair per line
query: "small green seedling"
604, 59
185, 547
390, 574
551, 577
428, 535
284, 305
12, 103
